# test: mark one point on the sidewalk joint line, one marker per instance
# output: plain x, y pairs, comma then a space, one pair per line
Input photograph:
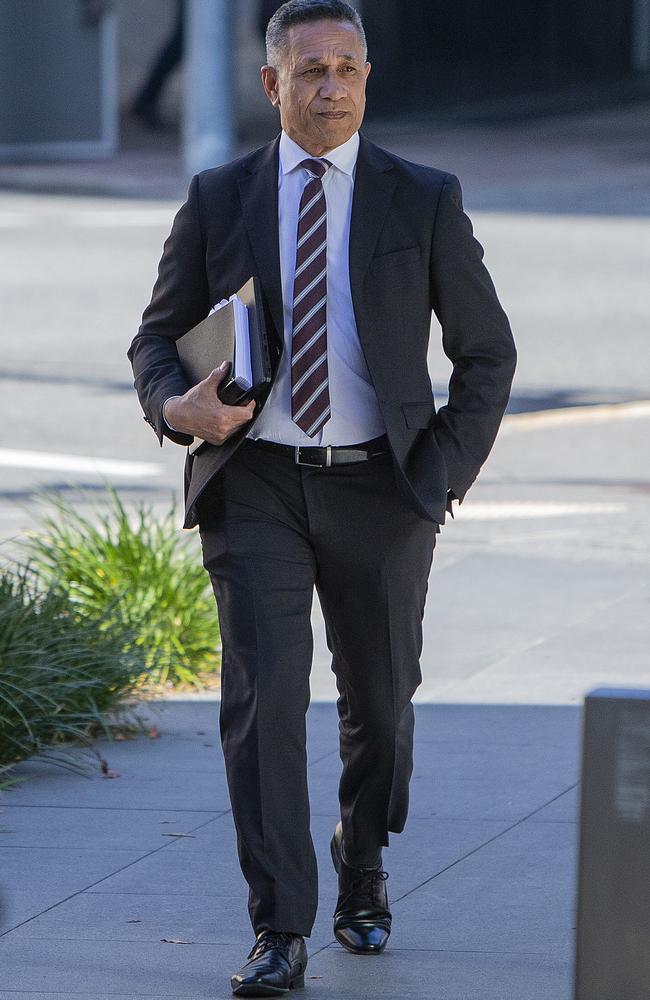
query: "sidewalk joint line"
33, 805
453, 864
148, 854
490, 840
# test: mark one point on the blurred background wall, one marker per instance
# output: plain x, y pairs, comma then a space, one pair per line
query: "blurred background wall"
434, 54
71, 69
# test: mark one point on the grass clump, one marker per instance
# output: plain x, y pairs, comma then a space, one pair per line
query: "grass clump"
136, 578
59, 678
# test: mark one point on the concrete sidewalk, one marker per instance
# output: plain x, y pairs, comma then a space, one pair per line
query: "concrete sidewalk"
129, 887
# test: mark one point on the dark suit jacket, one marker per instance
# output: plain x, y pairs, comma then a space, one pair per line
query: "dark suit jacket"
411, 250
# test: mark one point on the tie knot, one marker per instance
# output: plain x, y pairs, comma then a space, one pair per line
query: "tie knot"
316, 167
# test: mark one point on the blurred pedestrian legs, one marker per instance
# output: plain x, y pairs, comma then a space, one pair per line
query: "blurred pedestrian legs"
146, 104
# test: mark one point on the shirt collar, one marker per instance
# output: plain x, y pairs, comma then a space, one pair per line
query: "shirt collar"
343, 157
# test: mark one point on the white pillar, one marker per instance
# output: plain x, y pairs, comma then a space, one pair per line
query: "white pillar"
208, 118
641, 36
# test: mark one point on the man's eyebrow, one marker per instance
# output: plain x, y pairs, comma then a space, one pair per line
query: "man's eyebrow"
315, 61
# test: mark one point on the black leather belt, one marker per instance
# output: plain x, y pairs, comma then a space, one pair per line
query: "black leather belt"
321, 458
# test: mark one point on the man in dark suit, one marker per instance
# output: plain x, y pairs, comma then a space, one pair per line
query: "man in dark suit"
339, 478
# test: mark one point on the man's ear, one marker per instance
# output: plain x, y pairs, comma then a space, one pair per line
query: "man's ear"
270, 84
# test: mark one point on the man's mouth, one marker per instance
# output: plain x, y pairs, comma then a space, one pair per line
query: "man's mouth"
334, 115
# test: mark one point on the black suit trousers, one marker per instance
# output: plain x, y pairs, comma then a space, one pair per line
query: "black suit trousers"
272, 530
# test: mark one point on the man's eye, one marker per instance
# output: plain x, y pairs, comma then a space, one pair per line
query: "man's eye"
313, 70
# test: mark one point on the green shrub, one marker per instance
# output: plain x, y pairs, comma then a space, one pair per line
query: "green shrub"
59, 678
139, 578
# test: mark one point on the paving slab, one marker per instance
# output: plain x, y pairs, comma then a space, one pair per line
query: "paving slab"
31, 995
196, 971
201, 972
34, 879
516, 894
199, 916
441, 975
202, 871
428, 846
90, 829
48, 785
180, 870
467, 783
492, 726
148, 916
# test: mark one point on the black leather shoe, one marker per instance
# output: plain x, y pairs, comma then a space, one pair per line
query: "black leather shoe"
277, 964
362, 919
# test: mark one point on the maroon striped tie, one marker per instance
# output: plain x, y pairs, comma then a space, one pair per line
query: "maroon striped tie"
310, 398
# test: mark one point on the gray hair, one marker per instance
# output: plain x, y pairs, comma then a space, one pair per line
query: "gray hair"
300, 12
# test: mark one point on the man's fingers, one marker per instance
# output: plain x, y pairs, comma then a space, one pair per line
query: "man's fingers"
213, 420
231, 419
214, 380
217, 375
240, 413
242, 417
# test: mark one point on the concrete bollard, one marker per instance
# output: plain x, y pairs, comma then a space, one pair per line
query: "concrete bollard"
613, 933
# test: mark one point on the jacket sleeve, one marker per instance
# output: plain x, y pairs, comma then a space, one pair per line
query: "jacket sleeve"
476, 337
180, 300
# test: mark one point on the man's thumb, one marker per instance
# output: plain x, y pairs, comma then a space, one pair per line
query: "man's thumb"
217, 374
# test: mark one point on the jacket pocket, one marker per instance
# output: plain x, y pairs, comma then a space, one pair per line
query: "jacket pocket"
395, 258
419, 414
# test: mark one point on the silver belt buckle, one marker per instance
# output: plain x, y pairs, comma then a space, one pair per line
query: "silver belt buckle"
313, 465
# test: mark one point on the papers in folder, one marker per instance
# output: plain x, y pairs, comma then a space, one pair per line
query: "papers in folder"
242, 369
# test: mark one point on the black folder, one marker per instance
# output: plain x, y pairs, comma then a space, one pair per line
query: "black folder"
212, 341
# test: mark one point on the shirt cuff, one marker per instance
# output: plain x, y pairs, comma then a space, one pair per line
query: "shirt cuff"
171, 427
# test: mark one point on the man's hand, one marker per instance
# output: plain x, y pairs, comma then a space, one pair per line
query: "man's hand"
201, 413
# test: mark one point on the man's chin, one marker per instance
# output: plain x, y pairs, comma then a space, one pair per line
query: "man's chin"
325, 134
336, 130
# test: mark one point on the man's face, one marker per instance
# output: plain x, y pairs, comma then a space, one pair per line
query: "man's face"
320, 85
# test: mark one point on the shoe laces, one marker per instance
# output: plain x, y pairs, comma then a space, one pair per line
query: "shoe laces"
366, 883
272, 939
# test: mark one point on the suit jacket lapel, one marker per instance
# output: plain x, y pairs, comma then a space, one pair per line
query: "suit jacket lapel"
374, 184
258, 189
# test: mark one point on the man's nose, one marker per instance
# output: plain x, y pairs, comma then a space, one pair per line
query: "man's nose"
332, 87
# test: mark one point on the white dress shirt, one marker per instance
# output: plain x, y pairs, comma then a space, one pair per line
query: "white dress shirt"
355, 411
